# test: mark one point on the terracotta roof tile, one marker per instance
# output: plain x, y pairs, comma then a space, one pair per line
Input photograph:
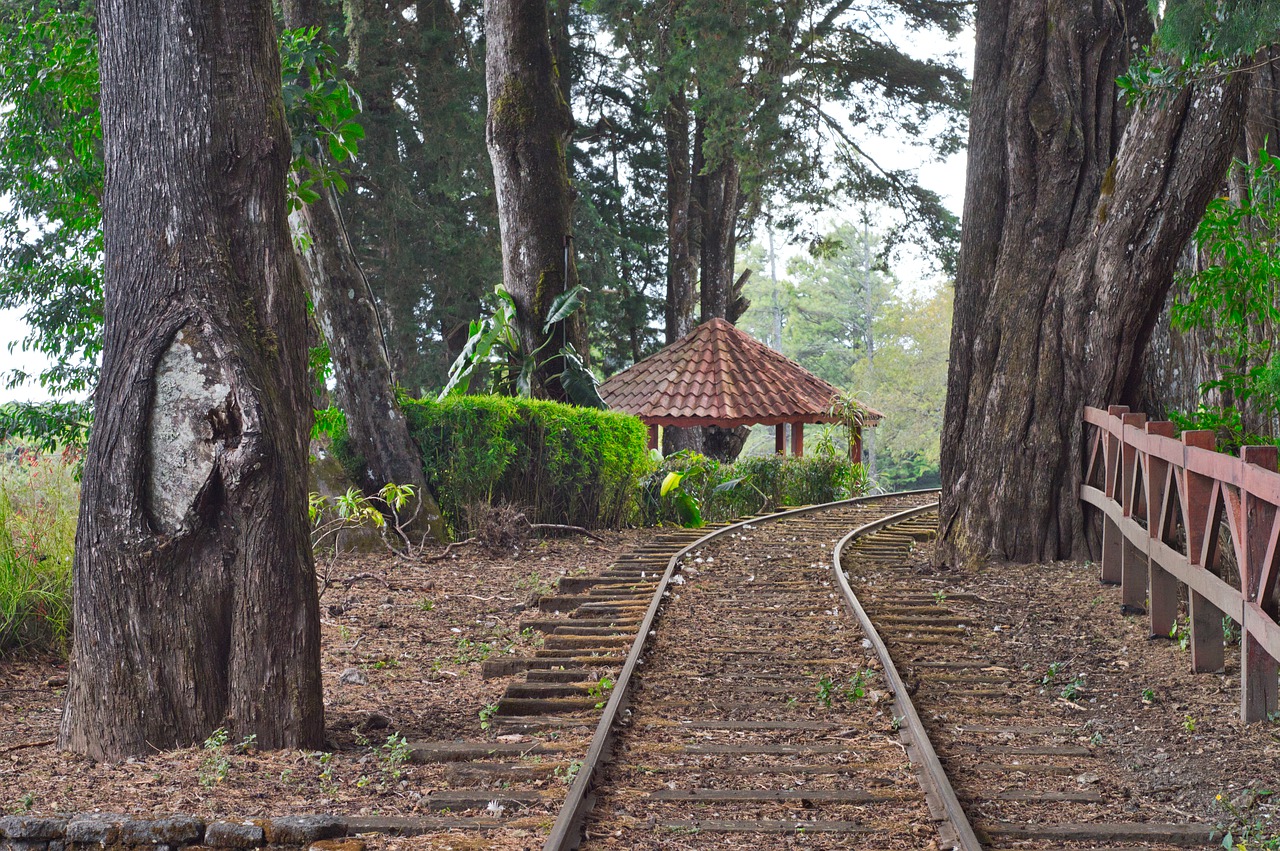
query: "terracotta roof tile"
718, 375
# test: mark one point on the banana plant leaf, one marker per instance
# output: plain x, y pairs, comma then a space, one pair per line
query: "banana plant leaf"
563, 305
578, 382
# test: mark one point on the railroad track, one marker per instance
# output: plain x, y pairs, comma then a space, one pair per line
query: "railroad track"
756, 712
1026, 769
804, 679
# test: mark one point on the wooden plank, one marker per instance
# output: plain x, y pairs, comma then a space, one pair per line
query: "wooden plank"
1206, 634
432, 752
1259, 670
766, 796
764, 826
401, 826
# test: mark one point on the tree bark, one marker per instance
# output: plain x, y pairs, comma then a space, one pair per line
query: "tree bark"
527, 129
1065, 260
364, 388
1179, 362
681, 271
719, 202
195, 598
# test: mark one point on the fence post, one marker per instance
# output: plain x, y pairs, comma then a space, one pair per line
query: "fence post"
1259, 673
1162, 586
1206, 618
1112, 551
1133, 561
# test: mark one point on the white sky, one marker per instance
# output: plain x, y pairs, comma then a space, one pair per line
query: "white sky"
946, 178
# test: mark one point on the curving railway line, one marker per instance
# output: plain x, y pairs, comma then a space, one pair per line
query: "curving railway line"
801, 679
798, 682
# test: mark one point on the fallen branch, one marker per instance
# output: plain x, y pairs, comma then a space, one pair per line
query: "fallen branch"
352, 580
40, 744
448, 549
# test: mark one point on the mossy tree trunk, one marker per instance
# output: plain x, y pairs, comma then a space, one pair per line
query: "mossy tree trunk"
1070, 239
378, 434
681, 269
527, 129
195, 596
719, 201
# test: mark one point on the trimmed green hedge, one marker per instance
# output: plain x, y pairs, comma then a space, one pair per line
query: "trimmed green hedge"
749, 486
561, 463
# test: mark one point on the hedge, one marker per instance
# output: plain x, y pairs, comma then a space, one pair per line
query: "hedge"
560, 463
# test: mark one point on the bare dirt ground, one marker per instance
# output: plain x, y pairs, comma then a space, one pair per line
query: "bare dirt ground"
410, 638
403, 643
1174, 738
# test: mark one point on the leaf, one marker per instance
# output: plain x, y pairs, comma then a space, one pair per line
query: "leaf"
729, 485
687, 508
563, 305
473, 353
524, 381
670, 483
578, 382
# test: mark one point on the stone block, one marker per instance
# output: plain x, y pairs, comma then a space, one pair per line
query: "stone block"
31, 828
225, 834
175, 830
304, 830
95, 829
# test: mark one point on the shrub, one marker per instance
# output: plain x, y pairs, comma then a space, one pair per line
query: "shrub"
561, 463
39, 500
750, 485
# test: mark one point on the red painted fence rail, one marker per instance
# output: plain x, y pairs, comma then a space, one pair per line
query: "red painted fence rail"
1165, 502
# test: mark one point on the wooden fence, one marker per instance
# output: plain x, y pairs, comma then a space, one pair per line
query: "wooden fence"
1165, 503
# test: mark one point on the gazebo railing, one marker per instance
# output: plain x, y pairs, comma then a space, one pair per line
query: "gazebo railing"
1165, 503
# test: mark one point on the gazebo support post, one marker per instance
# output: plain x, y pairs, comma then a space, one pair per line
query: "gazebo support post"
855, 445
653, 435
780, 439
797, 439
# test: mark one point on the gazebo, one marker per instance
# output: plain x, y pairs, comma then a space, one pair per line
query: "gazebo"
718, 375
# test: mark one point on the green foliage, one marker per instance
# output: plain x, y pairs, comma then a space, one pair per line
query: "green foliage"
50, 426
1198, 40
51, 171
1233, 295
560, 463
51, 174
1250, 821
39, 501
494, 343
423, 221
320, 108
829, 688
330, 423
383, 511
789, 90
700, 489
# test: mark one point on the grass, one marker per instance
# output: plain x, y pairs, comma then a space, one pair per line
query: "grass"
39, 500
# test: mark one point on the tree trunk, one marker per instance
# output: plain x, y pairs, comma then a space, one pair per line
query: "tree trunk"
681, 272
1065, 260
718, 202
373, 59
1178, 362
195, 596
377, 432
527, 129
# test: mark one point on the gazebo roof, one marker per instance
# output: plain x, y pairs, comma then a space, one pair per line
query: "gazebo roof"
718, 375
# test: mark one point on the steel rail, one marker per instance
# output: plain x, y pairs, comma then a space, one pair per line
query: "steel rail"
938, 791
566, 833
